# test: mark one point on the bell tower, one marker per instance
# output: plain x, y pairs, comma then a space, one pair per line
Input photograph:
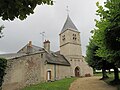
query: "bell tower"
70, 47
70, 44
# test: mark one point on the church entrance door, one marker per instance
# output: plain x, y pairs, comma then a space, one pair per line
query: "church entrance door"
77, 72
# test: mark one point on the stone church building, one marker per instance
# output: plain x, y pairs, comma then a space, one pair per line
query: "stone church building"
33, 64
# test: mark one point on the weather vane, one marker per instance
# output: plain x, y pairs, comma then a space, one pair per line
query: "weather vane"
43, 35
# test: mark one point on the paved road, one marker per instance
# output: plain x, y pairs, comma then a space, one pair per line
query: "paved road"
90, 83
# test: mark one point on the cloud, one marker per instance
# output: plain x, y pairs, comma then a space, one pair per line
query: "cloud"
49, 19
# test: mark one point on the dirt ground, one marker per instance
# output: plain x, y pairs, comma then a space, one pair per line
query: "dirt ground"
90, 83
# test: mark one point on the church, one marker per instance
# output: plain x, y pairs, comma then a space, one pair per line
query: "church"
34, 64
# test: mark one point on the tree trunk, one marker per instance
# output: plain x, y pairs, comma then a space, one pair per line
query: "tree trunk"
104, 74
94, 70
104, 70
109, 71
116, 74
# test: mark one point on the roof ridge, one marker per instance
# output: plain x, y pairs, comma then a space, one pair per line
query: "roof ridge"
37, 46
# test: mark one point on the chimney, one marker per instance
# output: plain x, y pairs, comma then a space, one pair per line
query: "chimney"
47, 45
30, 43
29, 47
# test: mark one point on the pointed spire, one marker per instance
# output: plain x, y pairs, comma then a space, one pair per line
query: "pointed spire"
69, 25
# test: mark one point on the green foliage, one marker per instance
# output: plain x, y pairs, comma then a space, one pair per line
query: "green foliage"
93, 60
1, 28
112, 32
57, 85
11, 9
106, 35
3, 65
113, 38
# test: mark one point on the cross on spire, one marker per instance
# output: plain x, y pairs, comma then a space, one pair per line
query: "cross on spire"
67, 10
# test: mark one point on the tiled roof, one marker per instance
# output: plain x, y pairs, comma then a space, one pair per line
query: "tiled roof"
12, 55
56, 59
34, 48
51, 57
37, 48
69, 25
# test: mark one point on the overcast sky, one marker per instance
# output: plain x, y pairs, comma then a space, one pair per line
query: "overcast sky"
49, 19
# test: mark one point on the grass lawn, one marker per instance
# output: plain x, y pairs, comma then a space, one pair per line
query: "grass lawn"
63, 84
111, 77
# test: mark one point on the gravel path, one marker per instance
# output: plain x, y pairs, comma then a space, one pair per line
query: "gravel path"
90, 83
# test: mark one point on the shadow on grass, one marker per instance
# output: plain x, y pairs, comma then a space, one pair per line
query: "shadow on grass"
112, 82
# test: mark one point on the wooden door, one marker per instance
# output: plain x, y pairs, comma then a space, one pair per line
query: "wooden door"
77, 72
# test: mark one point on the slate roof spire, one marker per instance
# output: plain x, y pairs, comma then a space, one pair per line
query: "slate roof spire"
69, 25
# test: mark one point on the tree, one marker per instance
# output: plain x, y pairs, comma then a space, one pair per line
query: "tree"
3, 62
107, 34
95, 61
1, 28
11, 9
3, 65
91, 57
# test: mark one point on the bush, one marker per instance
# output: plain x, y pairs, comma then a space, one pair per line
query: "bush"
3, 65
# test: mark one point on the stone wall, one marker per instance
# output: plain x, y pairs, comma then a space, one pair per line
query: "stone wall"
57, 72
31, 69
78, 61
23, 71
88, 71
62, 72
69, 46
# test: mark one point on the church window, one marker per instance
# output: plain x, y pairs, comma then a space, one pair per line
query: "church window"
74, 37
41, 55
63, 37
49, 75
